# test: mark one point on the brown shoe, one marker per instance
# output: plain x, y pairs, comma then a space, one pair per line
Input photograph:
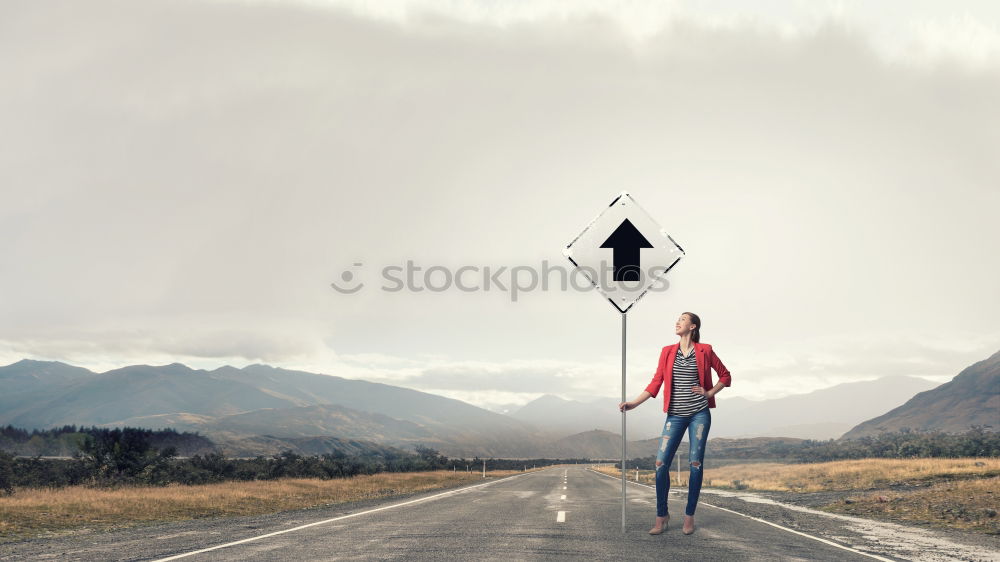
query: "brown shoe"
688, 529
660, 525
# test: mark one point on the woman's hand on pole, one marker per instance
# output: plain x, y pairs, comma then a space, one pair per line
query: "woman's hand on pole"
643, 396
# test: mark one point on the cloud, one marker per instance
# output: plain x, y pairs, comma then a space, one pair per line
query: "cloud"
958, 37
967, 32
853, 358
184, 179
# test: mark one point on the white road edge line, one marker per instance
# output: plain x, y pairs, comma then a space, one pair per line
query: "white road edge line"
815, 538
313, 524
561, 517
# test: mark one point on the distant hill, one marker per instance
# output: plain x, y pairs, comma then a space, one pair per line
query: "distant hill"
229, 403
25, 380
321, 445
594, 444
65, 441
571, 417
323, 419
717, 448
971, 398
600, 444
137, 390
821, 414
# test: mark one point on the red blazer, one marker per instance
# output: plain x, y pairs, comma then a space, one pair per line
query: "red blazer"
706, 359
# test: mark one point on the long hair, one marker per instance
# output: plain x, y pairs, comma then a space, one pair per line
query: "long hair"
696, 334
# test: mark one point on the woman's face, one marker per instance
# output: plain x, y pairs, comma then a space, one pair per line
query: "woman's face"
683, 325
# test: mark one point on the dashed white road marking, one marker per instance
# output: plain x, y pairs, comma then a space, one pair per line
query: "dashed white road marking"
564, 487
824, 541
563, 497
313, 524
561, 517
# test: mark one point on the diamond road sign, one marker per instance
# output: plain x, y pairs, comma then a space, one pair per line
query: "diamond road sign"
624, 253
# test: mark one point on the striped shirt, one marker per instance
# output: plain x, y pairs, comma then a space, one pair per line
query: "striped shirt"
683, 402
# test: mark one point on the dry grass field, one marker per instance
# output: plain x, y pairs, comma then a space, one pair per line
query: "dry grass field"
32, 512
962, 493
859, 474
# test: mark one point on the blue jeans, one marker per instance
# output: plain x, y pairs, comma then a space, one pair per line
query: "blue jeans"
697, 425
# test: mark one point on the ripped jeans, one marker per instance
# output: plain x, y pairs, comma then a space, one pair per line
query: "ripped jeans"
697, 425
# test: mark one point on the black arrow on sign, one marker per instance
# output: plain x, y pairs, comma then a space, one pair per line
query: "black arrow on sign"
626, 241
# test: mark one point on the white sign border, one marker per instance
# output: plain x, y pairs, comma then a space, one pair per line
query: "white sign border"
593, 282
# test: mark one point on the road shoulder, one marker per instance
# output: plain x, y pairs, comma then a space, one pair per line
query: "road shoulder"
909, 542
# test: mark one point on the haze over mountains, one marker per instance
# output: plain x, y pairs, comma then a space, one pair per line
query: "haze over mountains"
262, 409
822, 414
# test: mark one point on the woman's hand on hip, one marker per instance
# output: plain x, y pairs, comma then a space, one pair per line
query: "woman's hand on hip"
702, 391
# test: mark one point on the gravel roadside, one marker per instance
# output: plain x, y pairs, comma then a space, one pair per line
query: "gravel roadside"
798, 511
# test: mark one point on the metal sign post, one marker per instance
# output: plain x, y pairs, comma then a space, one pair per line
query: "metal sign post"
641, 254
624, 441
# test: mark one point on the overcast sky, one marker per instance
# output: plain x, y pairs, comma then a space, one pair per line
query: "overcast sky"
183, 180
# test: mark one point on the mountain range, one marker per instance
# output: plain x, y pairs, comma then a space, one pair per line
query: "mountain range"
229, 403
971, 398
260, 409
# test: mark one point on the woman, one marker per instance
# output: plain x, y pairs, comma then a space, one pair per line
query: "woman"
684, 373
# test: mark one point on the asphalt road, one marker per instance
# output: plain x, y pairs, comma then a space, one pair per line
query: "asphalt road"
559, 513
